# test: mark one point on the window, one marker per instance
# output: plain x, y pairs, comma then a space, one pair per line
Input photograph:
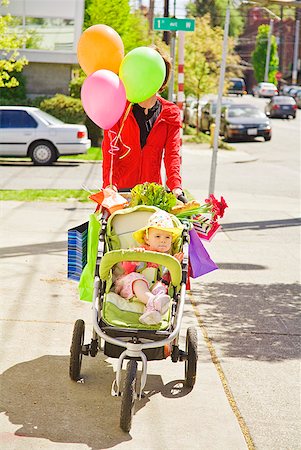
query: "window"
16, 119
53, 33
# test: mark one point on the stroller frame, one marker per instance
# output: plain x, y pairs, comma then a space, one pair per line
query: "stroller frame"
133, 347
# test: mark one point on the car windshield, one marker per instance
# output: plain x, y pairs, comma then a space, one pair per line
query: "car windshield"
236, 84
245, 112
268, 85
48, 118
284, 100
214, 106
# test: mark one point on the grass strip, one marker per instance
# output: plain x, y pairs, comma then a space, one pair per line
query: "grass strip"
93, 154
44, 195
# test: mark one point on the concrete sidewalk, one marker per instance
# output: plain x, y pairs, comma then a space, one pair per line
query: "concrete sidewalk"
43, 409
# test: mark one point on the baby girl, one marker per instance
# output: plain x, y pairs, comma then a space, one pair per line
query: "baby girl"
157, 236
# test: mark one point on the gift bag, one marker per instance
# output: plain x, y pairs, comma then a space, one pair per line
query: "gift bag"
77, 250
86, 282
199, 259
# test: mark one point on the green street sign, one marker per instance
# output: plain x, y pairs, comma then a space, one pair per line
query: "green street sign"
173, 24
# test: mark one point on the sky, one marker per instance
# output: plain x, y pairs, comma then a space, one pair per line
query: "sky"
159, 7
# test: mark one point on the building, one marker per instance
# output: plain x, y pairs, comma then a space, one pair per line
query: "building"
284, 31
54, 27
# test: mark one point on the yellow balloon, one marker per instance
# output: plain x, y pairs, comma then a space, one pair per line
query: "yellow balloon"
100, 47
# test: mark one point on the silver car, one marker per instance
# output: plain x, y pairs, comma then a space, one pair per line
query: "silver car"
265, 89
27, 131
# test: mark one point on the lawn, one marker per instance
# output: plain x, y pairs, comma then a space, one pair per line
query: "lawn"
93, 154
44, 195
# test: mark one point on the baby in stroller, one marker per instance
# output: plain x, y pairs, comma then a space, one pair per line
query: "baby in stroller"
157, 236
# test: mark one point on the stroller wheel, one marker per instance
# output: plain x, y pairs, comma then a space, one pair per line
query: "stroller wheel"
128, 396
192, 356
76, 349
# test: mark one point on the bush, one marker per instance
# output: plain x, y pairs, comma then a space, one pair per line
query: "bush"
13, 93
75, 86
65, 108
22, 101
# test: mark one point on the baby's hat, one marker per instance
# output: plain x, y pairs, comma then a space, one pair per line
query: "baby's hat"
160, 220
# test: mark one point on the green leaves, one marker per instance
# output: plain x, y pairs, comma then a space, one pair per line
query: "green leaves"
152, 194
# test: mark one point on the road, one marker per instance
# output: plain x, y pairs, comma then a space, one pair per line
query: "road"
248, 383
249, 308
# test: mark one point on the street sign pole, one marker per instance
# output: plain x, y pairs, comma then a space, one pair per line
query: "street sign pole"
172, 57
219, 103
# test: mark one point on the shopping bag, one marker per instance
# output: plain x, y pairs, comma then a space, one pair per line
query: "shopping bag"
199, 259
77, 250
86, 282
206, 229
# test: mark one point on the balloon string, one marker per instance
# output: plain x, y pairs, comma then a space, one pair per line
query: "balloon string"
114, 146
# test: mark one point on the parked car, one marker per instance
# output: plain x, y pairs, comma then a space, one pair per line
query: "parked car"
264, 90
237, 86
191, 112
244, 121
208, 113
281, 106
27, 131
298, 99
286, 88
294, 91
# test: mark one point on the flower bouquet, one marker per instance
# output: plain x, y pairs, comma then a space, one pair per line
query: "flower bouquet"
204, 218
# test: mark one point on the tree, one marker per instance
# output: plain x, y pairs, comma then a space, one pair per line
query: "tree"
203, 52
217, 11
131, 26
10, 62
260, 52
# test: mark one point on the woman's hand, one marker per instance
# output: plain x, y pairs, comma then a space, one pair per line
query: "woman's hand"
179, 256
177, 192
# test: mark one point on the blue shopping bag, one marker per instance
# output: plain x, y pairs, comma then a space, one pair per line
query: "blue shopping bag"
77, 250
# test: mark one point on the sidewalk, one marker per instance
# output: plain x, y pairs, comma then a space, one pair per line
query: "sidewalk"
42, 408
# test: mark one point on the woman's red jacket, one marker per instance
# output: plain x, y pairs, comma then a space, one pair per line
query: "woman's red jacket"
134, 165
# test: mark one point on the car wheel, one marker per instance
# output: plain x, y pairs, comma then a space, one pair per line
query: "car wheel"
267, 138
43, 153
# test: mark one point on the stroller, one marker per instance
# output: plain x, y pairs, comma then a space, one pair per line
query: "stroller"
116, 320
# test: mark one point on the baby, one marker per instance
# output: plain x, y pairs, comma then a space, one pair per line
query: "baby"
157, 236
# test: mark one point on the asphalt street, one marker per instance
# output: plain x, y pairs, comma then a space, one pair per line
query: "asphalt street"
247, 393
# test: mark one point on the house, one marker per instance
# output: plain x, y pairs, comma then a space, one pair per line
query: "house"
284, 31
55, 27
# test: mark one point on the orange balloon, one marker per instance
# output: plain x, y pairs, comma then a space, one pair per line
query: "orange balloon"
100, 47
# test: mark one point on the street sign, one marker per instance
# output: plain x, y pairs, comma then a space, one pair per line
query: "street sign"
173, 24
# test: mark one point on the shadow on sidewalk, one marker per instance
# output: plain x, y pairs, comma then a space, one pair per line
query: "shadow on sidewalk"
262, 224
43, 402
33, 249
255, 322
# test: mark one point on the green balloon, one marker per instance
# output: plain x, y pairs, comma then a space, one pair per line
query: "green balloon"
142, 72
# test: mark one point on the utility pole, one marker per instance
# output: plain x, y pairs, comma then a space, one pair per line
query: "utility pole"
296, 47
219, 103
151, 13
166, 35
268, 56
281, 41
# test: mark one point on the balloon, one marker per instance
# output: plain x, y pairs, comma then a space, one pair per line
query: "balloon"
103, 98
142, 71
100, 47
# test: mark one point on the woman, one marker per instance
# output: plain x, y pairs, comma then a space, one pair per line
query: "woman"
146, 133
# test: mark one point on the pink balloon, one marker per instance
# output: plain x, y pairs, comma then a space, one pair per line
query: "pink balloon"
103, 98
